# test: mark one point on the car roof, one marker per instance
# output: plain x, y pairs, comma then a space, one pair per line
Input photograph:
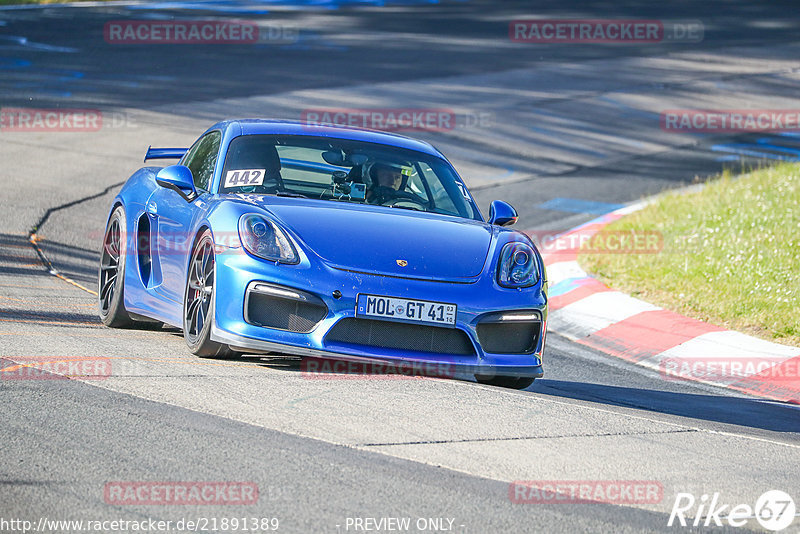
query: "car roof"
237, 127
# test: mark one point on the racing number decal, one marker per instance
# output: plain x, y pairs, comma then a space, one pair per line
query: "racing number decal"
244, 177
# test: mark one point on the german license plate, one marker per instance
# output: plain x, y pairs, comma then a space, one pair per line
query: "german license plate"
406, 310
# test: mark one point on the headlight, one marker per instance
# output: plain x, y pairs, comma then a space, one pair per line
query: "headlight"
518, 266
263, 238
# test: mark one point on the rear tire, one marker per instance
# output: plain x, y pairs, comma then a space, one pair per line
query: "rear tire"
199, 301
511, 382
111, 274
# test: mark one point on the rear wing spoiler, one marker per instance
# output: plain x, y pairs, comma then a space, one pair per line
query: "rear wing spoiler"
164, 153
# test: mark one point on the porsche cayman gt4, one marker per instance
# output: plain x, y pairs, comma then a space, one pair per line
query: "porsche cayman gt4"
327, 242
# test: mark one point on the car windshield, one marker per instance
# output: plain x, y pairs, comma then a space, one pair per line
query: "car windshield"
344, 171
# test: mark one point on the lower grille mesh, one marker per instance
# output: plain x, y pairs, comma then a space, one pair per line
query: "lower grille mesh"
412, 337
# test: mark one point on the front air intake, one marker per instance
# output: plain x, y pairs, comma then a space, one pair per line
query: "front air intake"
510, 333
283, 308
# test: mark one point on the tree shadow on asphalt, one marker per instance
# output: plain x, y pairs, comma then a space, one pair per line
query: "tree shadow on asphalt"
50, 318
17, 256
75, 262
740, 411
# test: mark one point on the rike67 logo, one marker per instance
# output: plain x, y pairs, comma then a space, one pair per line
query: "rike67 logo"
774, 510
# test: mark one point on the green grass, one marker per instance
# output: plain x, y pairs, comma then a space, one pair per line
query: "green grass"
731, 254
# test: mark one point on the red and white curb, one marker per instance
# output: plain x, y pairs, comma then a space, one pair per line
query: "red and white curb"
590, 313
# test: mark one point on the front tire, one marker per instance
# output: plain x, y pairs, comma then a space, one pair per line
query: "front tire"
111, 274
199, 301
511, 382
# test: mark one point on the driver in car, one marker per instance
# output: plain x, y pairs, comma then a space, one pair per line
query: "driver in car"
386, 179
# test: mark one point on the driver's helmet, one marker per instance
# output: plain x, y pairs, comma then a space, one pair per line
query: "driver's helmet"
383, 168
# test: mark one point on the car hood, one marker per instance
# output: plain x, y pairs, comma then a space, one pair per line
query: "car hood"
386, 241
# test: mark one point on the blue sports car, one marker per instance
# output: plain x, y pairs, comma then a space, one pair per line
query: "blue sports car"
281, 237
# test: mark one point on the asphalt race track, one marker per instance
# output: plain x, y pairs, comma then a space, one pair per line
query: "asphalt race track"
541, 126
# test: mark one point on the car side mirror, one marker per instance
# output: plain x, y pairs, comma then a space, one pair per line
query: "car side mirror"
179, 179
502, 213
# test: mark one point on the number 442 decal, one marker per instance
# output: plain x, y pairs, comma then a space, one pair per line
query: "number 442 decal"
244, 177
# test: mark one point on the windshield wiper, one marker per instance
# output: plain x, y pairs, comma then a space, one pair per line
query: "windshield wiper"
289, 194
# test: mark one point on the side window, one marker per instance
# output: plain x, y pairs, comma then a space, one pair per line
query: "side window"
202, 158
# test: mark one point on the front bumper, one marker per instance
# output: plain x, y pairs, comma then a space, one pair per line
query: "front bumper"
478, 301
